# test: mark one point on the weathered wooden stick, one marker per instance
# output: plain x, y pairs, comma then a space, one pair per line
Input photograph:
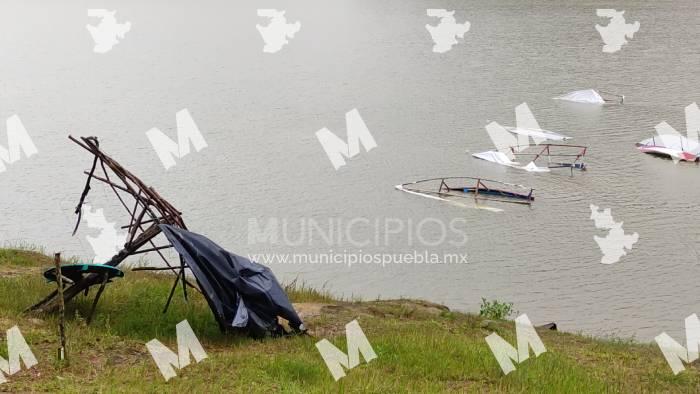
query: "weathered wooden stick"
62, 354
174, 269
152, 249
156, 269
105, 278
99, 178
183, 266
172, 291
143, 222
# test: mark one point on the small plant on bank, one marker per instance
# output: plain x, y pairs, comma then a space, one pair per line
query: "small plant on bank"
495, 309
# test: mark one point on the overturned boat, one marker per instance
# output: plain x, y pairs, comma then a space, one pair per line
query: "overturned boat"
542, 158
511, 142
591, 96
537, 133
675, 147
526, 126
469, 187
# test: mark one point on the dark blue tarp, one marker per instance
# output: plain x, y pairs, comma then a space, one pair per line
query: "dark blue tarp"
241, 293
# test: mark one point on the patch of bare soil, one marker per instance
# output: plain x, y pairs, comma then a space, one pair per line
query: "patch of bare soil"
330, 319
12, 271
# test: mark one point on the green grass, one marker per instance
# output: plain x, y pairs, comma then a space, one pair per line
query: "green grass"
421, 347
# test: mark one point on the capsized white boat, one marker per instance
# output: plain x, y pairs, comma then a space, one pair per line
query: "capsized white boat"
509, 146
496, 157
503, 159
551, 154
676, 147
538, 133
588, 96
526, 125
526, 128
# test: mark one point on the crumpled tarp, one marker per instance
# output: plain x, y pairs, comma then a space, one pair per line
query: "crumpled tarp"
241, 293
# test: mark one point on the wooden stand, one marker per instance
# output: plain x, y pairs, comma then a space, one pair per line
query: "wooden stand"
62, 354
148, 211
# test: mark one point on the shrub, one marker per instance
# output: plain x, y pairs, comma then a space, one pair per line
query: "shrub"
495, 309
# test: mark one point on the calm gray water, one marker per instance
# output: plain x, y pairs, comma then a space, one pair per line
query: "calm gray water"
259, 113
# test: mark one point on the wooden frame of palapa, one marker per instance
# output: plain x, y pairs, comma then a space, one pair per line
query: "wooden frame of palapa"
148, 211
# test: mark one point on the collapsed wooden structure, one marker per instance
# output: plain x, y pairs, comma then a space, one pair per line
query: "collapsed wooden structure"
146, 209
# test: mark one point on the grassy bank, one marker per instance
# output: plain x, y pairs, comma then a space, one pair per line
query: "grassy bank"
420, 346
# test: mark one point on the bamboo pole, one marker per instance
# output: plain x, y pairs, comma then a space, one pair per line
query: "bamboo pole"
62, 354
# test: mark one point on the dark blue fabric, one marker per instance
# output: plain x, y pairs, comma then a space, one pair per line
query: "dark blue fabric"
240, 292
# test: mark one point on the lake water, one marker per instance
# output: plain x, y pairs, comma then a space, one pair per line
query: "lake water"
259, 113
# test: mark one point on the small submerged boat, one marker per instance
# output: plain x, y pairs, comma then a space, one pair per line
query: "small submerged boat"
469, 187
511, 142
591, 96
553, 156
676, 147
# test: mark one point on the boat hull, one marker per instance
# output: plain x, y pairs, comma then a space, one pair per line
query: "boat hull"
669, 153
